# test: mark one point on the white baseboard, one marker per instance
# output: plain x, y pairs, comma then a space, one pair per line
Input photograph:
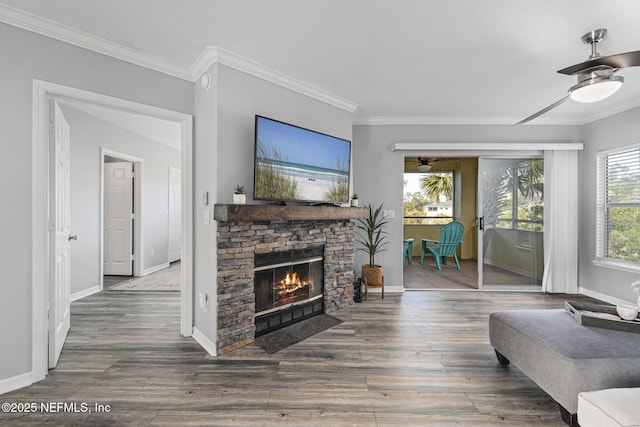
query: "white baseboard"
155, 268
387, 290
85, 293
204, 341
603, 297
14, 383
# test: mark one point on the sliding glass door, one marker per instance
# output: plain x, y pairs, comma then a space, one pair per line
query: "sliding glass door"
510, 223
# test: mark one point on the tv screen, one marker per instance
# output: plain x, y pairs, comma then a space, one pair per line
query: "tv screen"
297, 164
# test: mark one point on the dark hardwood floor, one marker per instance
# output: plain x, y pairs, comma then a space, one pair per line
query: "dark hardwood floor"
417, 359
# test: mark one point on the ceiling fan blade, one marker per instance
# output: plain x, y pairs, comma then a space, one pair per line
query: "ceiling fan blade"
620, 60
544, 110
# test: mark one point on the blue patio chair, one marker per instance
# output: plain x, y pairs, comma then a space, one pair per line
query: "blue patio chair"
450, 239
407, 250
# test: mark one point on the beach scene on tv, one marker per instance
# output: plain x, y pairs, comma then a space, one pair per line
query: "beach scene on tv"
298, 164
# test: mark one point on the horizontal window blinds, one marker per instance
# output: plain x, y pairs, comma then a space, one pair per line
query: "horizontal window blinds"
618, 219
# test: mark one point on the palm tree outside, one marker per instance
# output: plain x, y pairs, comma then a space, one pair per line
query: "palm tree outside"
436, 186
432, 202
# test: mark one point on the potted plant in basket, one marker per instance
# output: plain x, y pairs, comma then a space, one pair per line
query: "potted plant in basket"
239, 195
372, 241
354, 200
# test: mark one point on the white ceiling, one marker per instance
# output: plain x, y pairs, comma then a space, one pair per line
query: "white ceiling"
153, 128
411, 61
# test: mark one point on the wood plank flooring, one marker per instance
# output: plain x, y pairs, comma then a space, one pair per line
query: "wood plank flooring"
426, 276
418, 359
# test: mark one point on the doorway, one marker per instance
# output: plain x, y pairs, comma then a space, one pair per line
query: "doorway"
121, 232
437, 191
507, 254
43, 93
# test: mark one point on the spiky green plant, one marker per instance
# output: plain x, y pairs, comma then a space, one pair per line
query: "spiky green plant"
374, 236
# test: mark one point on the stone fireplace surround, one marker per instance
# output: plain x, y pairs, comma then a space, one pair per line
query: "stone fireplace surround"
244, 230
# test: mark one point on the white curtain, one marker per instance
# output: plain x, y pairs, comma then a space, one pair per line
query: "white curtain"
560, 222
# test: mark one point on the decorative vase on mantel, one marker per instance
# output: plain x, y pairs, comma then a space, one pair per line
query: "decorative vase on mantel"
354, 200
239, 195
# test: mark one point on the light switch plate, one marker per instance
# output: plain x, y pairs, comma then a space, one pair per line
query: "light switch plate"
389, 214
206, 217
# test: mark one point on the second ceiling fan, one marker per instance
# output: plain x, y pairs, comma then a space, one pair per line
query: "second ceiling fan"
596, 79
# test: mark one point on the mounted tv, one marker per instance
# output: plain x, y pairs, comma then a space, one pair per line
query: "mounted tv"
294, 164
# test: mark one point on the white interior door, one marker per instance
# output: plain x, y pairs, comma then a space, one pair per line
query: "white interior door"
60, 220
118, 219
175, 214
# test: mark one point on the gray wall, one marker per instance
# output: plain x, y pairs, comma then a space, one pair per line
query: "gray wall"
27, 56
224, 153
241, 97
379, 171
615, 131
88, 135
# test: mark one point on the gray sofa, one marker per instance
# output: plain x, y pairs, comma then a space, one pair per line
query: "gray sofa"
563, 357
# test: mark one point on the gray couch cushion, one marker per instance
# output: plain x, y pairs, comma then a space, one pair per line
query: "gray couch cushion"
563, 357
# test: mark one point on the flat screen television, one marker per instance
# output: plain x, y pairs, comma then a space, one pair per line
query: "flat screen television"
294, 164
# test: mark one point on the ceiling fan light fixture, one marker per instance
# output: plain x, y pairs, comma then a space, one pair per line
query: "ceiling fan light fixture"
595, 88
423, 165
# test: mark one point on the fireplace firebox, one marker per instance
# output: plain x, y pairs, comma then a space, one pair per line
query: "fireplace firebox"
288, 286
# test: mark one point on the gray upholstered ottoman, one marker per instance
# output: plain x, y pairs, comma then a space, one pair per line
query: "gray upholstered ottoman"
563, 357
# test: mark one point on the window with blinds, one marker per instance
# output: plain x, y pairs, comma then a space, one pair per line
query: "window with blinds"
618, 219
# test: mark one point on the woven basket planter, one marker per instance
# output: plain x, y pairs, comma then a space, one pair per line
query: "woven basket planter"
373, 274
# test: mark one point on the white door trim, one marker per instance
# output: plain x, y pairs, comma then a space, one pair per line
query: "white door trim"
138, 189
42, 92
172, 170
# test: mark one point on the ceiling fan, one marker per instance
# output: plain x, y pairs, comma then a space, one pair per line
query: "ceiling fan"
596, 79
423, 164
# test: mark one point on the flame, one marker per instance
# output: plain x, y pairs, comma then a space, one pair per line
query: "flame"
291, 288
293, 281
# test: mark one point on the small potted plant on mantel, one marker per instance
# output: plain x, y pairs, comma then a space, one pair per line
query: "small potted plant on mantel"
354, 200
239, 195
372, 241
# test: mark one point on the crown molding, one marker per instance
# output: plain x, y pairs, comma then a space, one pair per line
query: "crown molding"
612, 111
484, 146
48, 28
213, 54
457, 121
500, 121
209, 56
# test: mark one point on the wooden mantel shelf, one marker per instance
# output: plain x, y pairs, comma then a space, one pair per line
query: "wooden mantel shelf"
237, 213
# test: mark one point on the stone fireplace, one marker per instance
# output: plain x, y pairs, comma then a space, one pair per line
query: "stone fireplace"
259, 243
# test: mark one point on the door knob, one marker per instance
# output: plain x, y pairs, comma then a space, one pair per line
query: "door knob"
73, 237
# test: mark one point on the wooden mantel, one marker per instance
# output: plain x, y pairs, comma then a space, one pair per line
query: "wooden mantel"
237, 213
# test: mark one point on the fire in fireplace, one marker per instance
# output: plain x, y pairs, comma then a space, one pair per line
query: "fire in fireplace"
288, 287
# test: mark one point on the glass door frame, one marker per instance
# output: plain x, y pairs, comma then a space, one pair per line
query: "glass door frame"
480, 222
